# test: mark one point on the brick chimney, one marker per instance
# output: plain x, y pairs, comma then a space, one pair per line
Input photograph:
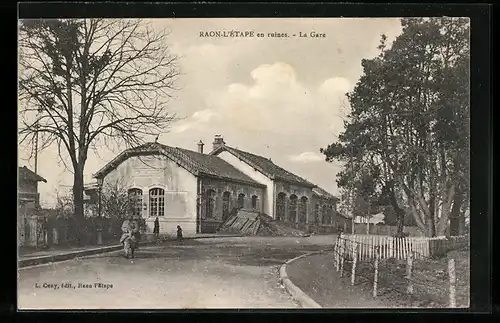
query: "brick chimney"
218, 142
200, 147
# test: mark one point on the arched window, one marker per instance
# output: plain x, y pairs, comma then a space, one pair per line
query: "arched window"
254, 202
210, 200
135, 201
226, 205
324, 214
316, 214
241, 200
292, 209
280, 206
331, 217
303, 209
156, 202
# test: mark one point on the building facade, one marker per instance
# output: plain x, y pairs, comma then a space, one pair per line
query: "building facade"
288, 197
28, 203
199, 191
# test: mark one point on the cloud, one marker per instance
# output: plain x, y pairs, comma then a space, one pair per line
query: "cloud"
306, 157
197, 119
335, 84
203, 115
277, 102
282, 101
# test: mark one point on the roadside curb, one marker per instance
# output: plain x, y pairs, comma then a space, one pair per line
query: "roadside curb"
297, 293
94, 251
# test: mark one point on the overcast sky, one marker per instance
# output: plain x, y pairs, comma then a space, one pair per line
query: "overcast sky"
282, 98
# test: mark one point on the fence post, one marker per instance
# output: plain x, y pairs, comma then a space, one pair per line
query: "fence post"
409, 268
451, 274
336, 255
375, 277
354, 262
342, 259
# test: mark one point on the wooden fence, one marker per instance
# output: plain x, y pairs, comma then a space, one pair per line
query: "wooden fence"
400, 248
441, 246
360, 256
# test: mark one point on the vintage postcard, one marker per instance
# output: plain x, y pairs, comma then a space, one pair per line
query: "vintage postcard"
243, 163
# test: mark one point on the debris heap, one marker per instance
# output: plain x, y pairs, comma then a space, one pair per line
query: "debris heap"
247, 222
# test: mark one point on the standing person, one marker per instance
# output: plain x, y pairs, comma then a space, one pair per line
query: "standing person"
128, 241
179, 233
136, 233
126, 225
127, 238
156, 229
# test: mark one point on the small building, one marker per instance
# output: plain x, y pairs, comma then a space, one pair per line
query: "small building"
28, 204
28, 186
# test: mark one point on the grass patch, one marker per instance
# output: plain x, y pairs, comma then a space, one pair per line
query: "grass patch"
317, 276
429, 276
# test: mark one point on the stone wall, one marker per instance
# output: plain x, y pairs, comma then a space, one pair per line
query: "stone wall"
294, 203
218, 199
324, 212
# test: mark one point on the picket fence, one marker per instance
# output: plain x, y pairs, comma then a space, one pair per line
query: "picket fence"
398, 248
389, 247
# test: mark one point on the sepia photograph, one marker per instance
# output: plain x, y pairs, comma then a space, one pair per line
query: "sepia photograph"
231, 163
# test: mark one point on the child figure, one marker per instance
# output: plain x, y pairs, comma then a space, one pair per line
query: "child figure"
179, 233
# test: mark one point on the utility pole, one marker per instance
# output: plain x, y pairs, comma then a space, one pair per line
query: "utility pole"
368, 216
36, 149
351, 190
351, 207
37, 131
99, 211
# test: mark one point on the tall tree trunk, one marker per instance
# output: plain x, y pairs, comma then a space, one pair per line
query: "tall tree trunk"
420, 216
431, 223
78, 203
400, 213
463, 211
448, 197
455, 214
461, 222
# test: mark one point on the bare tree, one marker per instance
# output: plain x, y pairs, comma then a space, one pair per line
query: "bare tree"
115, 200
85, 83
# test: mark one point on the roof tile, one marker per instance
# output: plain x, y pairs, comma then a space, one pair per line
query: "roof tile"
196, 163
323, 193
268, 168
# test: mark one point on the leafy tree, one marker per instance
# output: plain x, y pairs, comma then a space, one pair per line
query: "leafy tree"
409, 122
85, 83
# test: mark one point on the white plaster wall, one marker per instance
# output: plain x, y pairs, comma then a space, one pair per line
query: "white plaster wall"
148, 172
268, 202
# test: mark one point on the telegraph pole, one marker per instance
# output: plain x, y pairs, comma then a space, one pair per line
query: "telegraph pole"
37, 128
351, 191
36, 149
368, 216
351, 206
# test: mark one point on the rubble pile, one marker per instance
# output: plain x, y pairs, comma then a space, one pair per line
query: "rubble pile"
258, 224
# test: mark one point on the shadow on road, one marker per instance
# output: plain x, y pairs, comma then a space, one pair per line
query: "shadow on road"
257, 253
